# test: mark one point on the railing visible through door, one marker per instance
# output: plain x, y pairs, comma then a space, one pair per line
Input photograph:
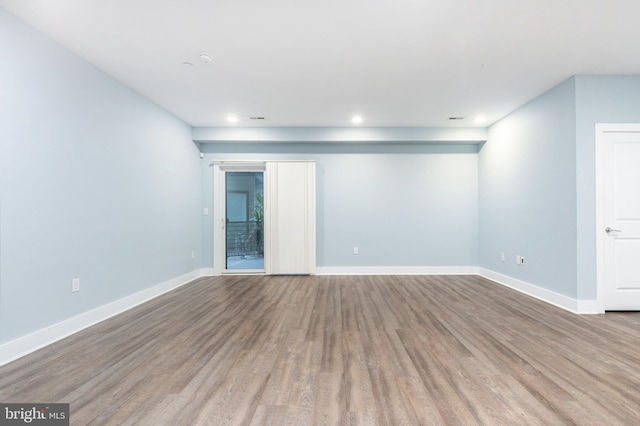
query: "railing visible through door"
244, 239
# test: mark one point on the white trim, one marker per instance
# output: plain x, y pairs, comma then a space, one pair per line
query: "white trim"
218, 220
243, 272
207, 272
599, 206
257, 165
588, 307
239, 165
556, 299
220, 167
24, 345
396, 270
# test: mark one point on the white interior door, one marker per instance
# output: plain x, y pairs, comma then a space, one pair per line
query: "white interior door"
620, 234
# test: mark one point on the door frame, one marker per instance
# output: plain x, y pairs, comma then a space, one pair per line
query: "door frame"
219, 213
601, 131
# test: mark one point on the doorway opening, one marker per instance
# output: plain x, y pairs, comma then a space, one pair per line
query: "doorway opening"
264, 217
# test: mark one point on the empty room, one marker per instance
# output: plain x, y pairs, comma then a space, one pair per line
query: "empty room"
277, 212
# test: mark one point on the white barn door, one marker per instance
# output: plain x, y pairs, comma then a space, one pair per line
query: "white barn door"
290, 217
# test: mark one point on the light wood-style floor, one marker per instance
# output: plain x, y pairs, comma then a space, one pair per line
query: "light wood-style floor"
388, 350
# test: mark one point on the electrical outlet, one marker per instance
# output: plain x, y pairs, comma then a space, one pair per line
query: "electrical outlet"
518, 259
193, 254
502, 256
75, 285
205, 211
356, 250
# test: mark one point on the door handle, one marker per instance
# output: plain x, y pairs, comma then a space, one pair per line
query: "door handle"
609, 230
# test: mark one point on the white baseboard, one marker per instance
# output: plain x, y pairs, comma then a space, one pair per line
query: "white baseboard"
24, 345
396, 270
588, 307
207, 272
556, 299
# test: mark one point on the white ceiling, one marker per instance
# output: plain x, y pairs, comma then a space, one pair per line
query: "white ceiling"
317, 63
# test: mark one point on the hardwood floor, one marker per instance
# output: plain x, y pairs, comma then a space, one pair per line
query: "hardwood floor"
388, 350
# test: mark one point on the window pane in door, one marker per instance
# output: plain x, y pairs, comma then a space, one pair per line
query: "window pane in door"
245, 226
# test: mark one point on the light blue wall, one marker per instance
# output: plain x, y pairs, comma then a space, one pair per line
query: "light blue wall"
401, 204
527, 192
96, 182
599, 99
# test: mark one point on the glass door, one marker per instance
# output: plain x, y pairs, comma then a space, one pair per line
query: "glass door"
244, 213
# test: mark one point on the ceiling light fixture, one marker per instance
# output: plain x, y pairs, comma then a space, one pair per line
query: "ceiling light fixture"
232, 118
187, 64
205, 58
480, 119
357, 119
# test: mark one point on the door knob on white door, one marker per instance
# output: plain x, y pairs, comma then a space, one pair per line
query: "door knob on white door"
609, 230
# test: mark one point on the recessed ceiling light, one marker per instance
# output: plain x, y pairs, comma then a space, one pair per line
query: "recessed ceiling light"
205, 58
456, 118
187, 64
480, 119
357, 119
232, 118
